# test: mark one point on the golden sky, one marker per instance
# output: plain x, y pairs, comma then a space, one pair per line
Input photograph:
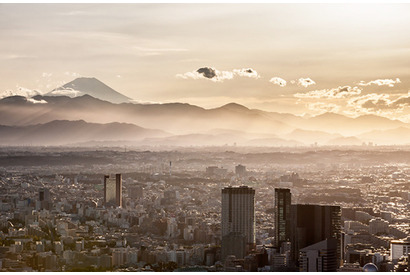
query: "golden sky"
299, 58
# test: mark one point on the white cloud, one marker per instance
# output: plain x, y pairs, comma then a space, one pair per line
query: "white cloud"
219, 76
20, 91
32, 100
339, 92
24, 92
66, 92
381, 82
377, 102
278, 81
47, 74
305, 82
247, 72
207, 73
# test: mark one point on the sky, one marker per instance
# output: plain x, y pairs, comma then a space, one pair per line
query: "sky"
304, 59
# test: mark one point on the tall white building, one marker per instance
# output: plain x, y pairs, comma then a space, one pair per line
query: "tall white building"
238, 217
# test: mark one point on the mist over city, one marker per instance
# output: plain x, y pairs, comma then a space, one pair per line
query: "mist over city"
204, 137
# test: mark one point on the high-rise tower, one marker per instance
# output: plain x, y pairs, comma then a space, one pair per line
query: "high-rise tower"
238, 220
113, 190
314, 223
282, 216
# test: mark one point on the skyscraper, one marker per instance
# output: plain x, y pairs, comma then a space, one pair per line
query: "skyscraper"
282, 216
113, 190
238, 220
44, 194
319, 257
44, 198
240, 170
312, 224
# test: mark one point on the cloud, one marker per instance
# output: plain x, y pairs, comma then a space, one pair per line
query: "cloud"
278, 81
376, 102
46, 74
20, 91
248, 72
207, 73
380, 82
305, 82
322, 107
402, 101
24, 92
219, 76
34, 101
66, 92
339, 92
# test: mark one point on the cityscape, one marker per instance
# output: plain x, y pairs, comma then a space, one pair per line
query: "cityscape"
246, 137
204, 210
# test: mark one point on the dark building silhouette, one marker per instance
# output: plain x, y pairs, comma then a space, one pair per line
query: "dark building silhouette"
282, 216
234, 244
44, 194
319, 257
113, 190
312, 224
44, 198
238, 220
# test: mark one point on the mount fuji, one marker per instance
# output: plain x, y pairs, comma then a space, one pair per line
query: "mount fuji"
91, 86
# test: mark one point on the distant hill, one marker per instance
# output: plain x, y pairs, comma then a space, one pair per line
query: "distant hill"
228, 124
90, 86
336, 123
61, 132
398, 135
179, 118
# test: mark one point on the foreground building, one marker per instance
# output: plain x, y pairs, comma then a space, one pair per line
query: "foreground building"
238, 221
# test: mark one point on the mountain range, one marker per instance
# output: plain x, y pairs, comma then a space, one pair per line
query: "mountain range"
96, 112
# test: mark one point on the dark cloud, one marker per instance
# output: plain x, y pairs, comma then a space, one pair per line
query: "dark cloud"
402, 101
383, 104
207, 72
376, 105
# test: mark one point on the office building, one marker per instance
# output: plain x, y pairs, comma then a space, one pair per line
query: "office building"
44, 198
113, 190
238, 219
312, 224
282, 216
240, 170
399, 248
319, 257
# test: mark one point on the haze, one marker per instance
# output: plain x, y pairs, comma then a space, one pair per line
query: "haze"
350, 59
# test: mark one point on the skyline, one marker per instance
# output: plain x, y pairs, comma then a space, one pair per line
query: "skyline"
345, 58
